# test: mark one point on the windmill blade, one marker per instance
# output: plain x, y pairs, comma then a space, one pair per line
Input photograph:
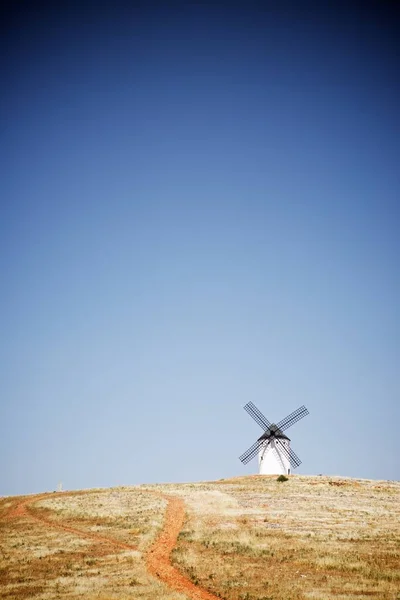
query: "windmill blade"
257, 415
251, 452
294, 459
256, 450
292, 418
290, 455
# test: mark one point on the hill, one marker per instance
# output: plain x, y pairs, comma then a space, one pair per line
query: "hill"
248, 538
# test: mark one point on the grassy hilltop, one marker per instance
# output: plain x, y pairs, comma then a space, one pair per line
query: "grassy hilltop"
248, 538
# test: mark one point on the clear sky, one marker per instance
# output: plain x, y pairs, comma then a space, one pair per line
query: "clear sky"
199, 207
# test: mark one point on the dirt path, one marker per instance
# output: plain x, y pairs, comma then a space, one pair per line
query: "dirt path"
158, 556
23, 510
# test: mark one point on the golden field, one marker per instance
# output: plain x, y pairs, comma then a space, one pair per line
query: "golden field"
248, 538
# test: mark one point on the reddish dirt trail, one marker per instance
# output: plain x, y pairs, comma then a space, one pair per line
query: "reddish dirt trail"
158, 557
22, 510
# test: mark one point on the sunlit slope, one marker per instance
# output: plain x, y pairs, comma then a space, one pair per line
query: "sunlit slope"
249, 538
308, 537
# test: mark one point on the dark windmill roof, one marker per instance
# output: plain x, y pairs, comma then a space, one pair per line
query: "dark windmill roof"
273, 431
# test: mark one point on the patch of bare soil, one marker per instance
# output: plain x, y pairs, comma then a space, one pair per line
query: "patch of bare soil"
158, 557
22, 510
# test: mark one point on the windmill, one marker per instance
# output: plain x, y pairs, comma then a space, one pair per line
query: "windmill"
273, 447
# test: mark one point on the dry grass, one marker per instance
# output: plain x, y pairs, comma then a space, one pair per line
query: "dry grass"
45, 563
250, 538
319, 538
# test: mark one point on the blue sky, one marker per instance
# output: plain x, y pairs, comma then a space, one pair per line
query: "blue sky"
200, 207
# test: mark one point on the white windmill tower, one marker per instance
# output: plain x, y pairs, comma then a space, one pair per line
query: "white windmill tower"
275, 455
